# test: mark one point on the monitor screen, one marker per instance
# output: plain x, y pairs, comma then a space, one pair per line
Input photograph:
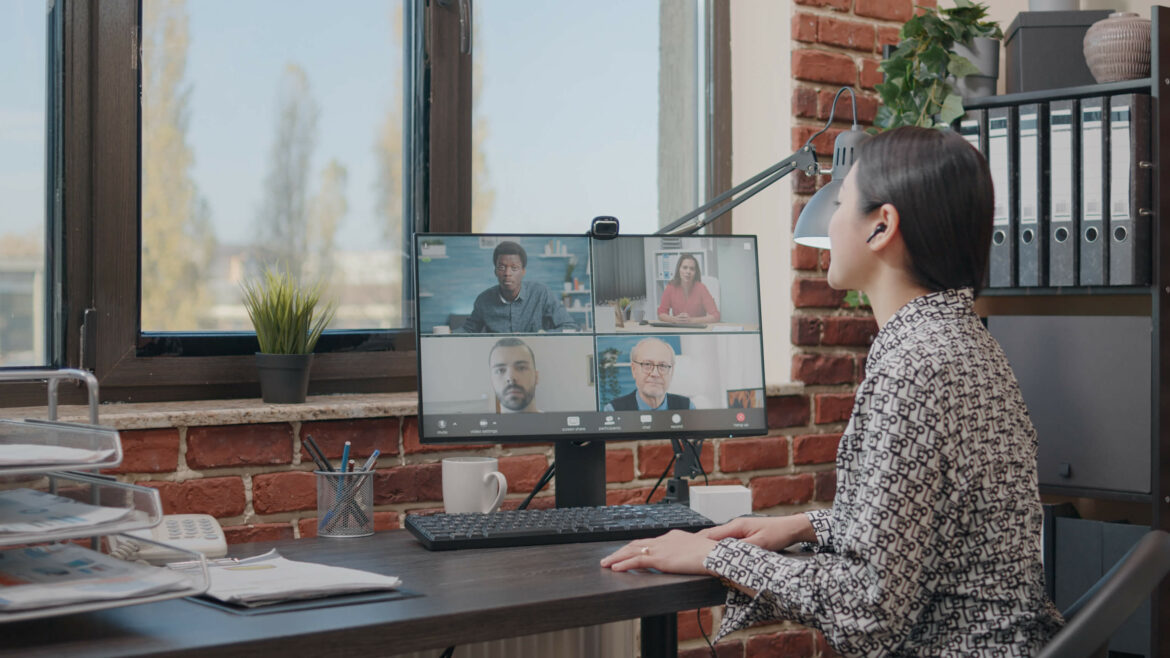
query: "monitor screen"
544, 337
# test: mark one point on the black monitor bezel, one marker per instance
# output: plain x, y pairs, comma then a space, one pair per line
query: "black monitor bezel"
592, 436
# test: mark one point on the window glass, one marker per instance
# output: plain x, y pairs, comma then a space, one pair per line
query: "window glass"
569, 102
23, 92
271, 135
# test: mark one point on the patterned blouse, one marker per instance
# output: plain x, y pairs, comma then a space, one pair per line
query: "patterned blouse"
932, 545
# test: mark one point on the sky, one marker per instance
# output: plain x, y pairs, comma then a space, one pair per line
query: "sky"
22, 117
569, 99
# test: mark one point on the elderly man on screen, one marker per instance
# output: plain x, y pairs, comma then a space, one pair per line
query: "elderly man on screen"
514, 306
652, 364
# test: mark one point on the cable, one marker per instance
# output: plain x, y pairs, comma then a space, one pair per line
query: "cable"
699, 618
696, 451
833, 112
540, 484
660, 479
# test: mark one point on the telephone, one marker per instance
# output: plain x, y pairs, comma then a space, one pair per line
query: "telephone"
194, 532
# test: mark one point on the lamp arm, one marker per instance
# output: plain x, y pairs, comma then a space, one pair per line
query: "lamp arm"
804, 159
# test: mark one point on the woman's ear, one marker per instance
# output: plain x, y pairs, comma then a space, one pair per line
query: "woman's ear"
888, 224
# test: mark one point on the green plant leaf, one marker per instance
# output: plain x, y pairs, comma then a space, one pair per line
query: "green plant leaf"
952, 109
961, 67
286, 316
911, 29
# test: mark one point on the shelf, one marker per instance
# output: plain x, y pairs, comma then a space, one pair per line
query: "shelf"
1072, 291
76, 439
1139, 86
576, 292
144, 502
199, 578
1103, 494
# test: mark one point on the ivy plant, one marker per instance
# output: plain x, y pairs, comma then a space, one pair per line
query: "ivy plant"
919, 73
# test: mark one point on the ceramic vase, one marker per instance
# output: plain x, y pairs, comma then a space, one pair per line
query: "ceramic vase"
1118, 47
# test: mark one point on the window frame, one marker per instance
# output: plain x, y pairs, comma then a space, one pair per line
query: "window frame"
100, 236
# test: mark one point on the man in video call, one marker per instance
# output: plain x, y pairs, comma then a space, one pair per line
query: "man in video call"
512, 365
652, 363
515, 306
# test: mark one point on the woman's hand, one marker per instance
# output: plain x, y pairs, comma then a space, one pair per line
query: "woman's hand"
773, 533
675, 552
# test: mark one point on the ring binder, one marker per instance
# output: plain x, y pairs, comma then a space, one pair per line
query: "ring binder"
1064, 146
1094, 256
1001, 147
1129, 187
1033, 213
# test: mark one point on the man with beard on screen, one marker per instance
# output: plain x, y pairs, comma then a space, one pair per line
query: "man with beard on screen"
512, 366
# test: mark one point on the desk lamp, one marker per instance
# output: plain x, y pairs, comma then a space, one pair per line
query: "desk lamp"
812, 230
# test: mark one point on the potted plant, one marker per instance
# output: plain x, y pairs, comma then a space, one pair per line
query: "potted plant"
432, 248
625, 304
919, 74
288, 318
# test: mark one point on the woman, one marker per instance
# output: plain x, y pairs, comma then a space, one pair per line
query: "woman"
931, 547
686, 299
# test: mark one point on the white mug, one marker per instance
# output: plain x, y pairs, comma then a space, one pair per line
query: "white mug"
441, 329
472, 484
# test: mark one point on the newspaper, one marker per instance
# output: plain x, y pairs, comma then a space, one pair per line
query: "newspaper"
26, 511
30, 454
270, 578
63, 574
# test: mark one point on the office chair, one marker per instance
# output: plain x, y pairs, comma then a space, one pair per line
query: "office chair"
1097, 614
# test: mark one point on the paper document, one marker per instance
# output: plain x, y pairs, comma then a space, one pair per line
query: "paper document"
270, 578
32, 512
62, 574
29, 454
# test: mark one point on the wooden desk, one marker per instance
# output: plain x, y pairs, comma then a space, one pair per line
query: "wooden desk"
466, 596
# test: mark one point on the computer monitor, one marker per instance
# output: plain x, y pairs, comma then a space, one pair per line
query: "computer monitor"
578, 340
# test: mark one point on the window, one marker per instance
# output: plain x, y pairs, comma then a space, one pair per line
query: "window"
25, 302
586, 109
258, 150
295, 131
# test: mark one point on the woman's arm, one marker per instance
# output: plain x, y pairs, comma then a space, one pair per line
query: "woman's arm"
865, 596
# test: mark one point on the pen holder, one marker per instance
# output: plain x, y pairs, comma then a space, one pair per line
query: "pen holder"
345, 504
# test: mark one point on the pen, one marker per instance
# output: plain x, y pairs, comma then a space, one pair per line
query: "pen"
320, 455
344, 456
373, 458
315, 458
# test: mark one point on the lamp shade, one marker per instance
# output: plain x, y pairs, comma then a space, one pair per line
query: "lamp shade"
812, 227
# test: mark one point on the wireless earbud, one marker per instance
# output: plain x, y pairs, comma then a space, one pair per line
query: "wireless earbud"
881, 228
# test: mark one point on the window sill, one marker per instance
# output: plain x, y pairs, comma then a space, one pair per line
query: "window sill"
194, 413
151, 415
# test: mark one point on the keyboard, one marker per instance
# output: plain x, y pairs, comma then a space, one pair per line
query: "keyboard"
678, 325
567, 525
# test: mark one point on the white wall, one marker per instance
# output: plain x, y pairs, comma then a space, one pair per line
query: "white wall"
761, 98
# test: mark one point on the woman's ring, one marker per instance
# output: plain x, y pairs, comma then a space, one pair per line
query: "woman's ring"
645, 550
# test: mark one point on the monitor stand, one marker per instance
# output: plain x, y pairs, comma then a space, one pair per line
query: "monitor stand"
580, 473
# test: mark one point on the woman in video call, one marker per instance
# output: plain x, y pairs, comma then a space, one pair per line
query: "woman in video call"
931, 546
686, 299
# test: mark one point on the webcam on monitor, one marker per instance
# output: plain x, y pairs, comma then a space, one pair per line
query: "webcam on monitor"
604, 227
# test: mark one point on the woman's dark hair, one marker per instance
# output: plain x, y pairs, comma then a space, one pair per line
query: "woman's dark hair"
942, 189
676, 281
